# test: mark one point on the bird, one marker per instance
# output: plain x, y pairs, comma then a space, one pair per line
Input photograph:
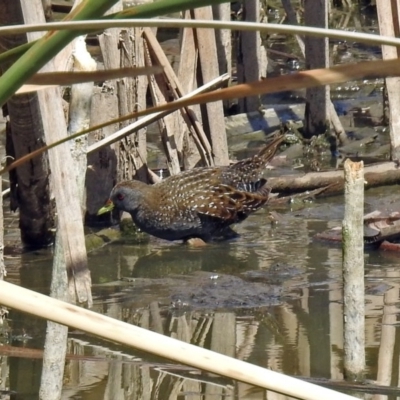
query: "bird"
201, 203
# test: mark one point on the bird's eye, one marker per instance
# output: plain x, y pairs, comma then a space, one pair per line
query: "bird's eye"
120, 196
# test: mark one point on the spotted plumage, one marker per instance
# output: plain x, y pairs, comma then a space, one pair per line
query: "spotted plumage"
201, 203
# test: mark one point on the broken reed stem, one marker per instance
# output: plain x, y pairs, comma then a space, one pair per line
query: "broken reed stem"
353, 271
109, 328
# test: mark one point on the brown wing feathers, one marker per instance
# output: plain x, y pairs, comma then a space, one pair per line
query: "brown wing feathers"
227, 202
239, 198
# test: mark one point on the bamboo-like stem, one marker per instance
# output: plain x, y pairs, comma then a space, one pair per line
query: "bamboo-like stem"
95, 25
71, 78
88, 10
45, 307
51, 79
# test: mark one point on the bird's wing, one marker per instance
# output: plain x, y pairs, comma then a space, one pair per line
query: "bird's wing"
225, 202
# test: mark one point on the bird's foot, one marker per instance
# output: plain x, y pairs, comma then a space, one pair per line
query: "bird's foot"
195, 242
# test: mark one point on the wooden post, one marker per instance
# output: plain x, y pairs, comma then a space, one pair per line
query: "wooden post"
102, 165
209, 70
388, 352
186, 75
145, 121
132, 157
333, 117
64, 183
317, 56
79, 115
25, 134
177, 91
251, 56
353, 271
388, 18
124, 48
222, 12
44, 116
160, 92
47, 8
55, 346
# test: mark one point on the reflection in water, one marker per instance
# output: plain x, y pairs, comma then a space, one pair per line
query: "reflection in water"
272, 297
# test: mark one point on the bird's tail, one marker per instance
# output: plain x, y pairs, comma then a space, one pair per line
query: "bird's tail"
251, 167
268, 152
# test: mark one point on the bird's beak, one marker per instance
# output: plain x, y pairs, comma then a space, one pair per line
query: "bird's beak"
107, 208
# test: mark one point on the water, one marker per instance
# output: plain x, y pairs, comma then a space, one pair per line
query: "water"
272, 297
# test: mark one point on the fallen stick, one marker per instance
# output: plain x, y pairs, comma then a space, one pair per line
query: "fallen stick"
375, 175
108, 328
299, 196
